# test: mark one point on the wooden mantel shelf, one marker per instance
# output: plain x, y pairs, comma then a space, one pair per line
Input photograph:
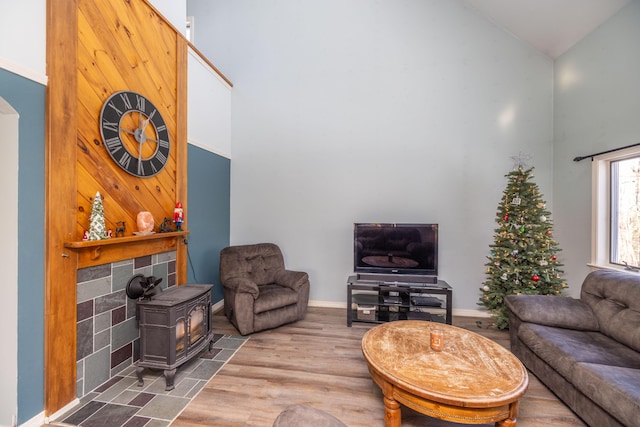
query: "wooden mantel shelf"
96, 252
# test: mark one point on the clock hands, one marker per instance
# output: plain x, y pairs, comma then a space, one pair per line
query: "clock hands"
146, 122
141, 136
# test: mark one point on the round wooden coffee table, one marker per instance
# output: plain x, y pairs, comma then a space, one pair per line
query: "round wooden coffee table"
472, 380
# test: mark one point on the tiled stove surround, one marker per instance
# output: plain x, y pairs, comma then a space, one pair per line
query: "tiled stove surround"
107, 329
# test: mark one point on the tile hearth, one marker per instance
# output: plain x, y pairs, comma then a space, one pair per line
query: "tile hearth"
120, 402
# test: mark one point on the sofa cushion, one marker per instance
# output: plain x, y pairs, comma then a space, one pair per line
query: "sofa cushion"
612, 387
555, 311
614, 297
260, 262
563, 348
274, 296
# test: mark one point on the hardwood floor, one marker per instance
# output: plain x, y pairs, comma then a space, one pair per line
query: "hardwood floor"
318, 362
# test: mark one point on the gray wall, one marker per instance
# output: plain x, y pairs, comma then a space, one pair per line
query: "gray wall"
597, 108
393, 111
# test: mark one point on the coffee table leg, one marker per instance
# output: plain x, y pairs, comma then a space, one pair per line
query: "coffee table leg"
513, 415
392, 416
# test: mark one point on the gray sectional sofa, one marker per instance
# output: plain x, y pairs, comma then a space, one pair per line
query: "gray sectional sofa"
587, 350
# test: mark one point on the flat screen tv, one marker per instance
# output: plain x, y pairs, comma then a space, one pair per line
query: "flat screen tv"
396, 251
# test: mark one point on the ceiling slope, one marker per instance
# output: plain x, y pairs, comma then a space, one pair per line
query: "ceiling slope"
550, 26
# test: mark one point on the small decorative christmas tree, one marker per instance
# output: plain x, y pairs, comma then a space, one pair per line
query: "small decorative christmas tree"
523, 257
97, 229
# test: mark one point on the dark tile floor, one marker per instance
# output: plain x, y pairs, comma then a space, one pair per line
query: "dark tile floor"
120, 402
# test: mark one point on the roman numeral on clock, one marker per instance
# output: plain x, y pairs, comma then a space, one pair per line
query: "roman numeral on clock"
113, 144
113, 127
140, 102
125, 160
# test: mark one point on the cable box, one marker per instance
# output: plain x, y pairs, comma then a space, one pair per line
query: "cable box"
426, 301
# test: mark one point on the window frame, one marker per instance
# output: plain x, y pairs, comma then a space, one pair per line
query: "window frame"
601, 206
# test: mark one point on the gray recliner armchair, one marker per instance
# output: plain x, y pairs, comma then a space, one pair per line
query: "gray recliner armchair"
259, 292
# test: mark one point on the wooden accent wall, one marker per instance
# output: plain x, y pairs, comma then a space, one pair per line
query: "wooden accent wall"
123, 46
96, 48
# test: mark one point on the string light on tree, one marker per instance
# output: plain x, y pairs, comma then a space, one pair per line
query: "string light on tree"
522, 259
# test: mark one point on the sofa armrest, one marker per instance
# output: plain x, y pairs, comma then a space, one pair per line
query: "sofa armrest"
291, 279
555, 311
242, 284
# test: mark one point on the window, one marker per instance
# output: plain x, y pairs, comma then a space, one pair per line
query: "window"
190, 29
616, 209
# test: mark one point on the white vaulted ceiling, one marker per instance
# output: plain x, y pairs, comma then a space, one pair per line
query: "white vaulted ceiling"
550, 26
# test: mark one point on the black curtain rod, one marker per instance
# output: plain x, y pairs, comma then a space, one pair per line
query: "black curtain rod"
577, 159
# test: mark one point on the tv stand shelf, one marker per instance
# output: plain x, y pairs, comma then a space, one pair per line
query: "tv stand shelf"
375, 301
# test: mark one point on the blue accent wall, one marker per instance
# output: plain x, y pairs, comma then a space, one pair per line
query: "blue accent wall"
28, 99
208, 216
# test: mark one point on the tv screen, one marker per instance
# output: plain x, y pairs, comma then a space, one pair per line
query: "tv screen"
396, 249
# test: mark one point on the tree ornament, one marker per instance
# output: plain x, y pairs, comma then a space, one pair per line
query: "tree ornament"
522, 229
485, 288
543, 218
553, 257
535, 278
506, 217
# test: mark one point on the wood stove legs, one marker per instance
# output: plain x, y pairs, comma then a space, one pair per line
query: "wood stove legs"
139, 370
169, 377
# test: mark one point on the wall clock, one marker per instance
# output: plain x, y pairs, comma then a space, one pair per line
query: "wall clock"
134, 134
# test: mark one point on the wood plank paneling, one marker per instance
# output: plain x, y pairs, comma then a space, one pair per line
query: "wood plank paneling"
125, 46
95, 48
182, 155
60, 206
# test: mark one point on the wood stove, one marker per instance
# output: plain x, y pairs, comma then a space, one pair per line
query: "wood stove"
175, 326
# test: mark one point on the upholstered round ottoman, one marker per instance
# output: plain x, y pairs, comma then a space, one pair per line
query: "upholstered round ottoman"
300, 415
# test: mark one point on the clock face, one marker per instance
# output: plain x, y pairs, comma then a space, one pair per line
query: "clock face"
134, 134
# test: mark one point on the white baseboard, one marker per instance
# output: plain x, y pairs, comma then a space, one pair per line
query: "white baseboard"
36, 421
456, 311
217, 306
327, 304
465, 312
57, 414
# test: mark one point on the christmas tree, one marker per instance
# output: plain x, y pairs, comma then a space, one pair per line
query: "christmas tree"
523, 257
97, 229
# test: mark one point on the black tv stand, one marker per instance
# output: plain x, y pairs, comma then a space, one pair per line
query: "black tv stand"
377, 301
395, 278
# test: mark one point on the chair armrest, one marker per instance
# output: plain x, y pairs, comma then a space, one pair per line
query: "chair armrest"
291, 279
555, 311
242, 284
